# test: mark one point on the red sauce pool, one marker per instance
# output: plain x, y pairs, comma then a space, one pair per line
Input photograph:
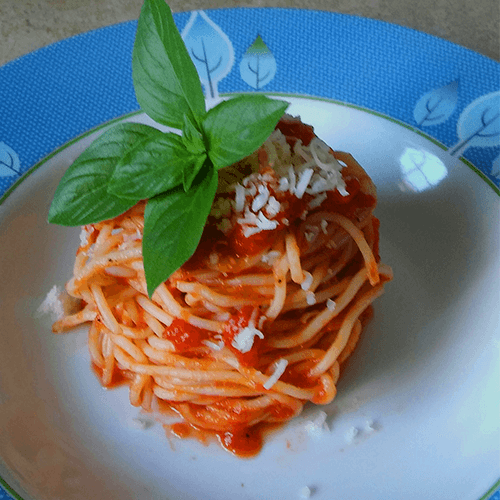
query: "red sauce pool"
244, 442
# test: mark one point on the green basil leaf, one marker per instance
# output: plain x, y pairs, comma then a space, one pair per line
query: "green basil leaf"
192, 137
193, 170
237, 127
166, 82
81, 196
173, 224
156, 165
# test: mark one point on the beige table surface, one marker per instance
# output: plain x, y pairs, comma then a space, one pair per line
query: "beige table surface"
26, 25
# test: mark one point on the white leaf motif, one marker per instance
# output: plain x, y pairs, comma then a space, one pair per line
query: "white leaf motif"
210, 49
436, 106
479, 124
9, 161
258, 65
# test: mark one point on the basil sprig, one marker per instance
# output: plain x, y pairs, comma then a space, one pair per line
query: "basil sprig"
176, 174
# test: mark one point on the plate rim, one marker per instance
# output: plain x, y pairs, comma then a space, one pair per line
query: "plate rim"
41, 162
357, 107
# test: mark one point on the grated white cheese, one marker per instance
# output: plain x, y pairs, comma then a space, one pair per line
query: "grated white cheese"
351, 434
303, 182
284, 184
260, 201
309, 236
249, 218
341, 188
324, 226
215, 346
250, 230
330, 305
292, 179
245, 338
52, 304
318, 200
252, 190
300, 169
307, 282
266, 224
319, 185
84, 235
239, 198
273, 207
310, 298
130, 237
279, 369
321, 154
270, 257
370, 426
317, 426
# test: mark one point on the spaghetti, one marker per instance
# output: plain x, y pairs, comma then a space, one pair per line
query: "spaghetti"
261, 318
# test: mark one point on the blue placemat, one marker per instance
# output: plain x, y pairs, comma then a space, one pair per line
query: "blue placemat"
448, 92
445, 91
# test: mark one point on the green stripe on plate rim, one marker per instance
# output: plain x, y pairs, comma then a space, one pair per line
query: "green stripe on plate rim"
278, 94
9, 490
491, 491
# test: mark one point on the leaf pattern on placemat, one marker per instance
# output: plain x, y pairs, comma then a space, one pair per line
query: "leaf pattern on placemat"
210, 49
479, 124
258, 65
9, 161
437, 105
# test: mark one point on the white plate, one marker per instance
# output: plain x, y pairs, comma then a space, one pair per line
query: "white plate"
421, 391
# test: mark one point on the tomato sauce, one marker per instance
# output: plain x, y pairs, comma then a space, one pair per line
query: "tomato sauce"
251, 245
295, 130
185, 336
244, 443
183, 430
118, 378
241, 440
237, 245
352, 204
292, 209
212, 240
298, 375
247, 441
